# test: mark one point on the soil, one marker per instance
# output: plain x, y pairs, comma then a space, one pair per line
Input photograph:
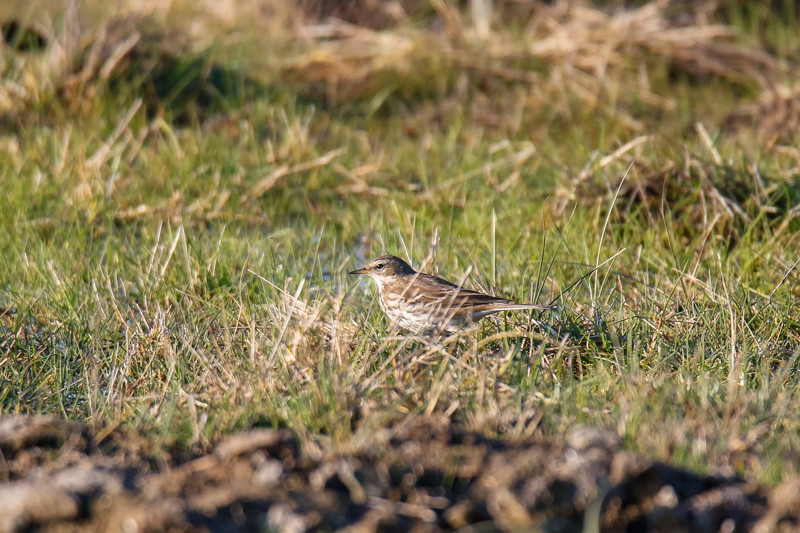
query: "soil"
426, 475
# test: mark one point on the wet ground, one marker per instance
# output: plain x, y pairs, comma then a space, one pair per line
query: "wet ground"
427, 475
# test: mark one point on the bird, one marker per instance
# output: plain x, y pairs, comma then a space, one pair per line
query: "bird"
422, 303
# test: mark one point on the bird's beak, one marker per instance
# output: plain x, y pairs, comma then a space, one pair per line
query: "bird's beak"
359, 271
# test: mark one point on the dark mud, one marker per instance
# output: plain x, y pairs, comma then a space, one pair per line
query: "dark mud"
429, 475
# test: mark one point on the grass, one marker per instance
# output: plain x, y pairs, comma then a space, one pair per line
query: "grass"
176, 242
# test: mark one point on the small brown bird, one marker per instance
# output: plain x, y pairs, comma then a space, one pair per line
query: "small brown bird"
423, 303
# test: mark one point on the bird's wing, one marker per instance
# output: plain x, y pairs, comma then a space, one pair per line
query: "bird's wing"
437, 290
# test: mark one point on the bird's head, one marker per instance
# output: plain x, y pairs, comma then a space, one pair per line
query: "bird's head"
386, 267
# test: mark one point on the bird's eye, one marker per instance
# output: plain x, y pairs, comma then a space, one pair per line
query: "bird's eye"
379, 267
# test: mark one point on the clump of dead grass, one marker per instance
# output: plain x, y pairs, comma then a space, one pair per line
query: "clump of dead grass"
564, 48
774, 117
73, 58
575, 36
87, 45
713, 197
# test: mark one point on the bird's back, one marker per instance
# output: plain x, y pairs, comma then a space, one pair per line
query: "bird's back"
432, 289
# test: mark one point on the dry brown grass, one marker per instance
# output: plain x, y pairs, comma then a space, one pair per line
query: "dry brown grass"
562, 51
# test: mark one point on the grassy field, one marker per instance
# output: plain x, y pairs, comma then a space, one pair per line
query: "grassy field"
184, 190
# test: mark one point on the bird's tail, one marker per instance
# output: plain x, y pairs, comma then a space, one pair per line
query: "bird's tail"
519, 307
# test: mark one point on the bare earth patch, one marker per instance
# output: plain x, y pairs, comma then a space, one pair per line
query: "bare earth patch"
427, 475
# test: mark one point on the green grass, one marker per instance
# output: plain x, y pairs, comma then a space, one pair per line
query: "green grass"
148, 253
